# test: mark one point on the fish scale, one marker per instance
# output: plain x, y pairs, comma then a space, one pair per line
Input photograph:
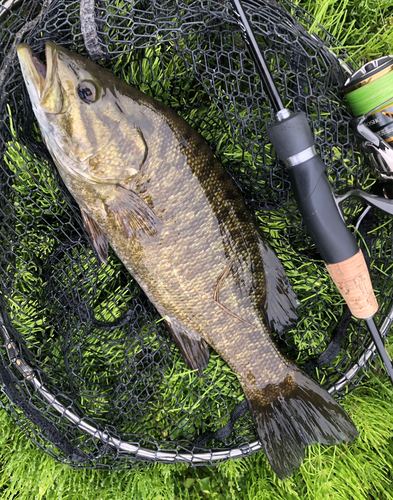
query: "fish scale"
149, 186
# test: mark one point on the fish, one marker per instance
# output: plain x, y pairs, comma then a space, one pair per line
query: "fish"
149, 185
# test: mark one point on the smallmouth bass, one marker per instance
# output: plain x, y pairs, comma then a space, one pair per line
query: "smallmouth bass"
148, 185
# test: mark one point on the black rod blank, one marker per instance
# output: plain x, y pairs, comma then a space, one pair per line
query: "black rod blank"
372, 328
259, 61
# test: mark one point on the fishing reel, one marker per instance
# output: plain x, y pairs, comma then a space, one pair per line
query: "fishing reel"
369, 94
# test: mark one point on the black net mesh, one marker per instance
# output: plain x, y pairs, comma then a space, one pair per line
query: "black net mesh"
88, 371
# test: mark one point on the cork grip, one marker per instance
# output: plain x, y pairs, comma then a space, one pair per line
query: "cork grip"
353, 280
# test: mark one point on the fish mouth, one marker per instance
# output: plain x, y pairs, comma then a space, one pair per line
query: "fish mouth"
36, 75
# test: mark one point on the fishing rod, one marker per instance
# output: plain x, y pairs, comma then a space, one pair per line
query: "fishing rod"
294, 144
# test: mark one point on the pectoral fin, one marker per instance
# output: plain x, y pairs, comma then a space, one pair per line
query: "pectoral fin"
195, 351
132, 214
98, 237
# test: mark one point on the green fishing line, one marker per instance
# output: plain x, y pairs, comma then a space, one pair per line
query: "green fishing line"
369, 96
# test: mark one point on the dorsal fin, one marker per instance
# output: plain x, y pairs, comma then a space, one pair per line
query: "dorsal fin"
280, 302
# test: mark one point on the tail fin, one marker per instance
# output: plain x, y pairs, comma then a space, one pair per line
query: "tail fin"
295, 414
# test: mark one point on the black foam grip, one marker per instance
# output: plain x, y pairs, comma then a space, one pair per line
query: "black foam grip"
312, 191
291, 136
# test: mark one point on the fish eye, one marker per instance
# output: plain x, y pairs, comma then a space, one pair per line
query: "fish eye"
87, 91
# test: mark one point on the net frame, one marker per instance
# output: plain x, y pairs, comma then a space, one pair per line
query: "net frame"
138, 451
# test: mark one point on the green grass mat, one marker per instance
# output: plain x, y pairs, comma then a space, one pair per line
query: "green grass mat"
360, 470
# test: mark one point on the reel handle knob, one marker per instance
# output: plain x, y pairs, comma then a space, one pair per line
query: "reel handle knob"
293, 141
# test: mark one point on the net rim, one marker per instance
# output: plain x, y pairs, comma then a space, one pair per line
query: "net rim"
172, 456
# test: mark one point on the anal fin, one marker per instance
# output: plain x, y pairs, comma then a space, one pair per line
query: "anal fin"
98, 237
195, 351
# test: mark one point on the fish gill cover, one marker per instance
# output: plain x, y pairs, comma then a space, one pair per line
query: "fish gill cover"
88, 369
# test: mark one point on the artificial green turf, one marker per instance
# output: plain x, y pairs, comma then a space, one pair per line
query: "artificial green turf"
360, 470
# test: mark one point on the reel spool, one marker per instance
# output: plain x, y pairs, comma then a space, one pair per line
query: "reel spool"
369, 95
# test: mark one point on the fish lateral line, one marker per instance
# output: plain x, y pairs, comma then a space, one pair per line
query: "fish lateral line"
216, 295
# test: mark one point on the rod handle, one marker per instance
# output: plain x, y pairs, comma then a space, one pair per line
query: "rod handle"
353, 281
294, 144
